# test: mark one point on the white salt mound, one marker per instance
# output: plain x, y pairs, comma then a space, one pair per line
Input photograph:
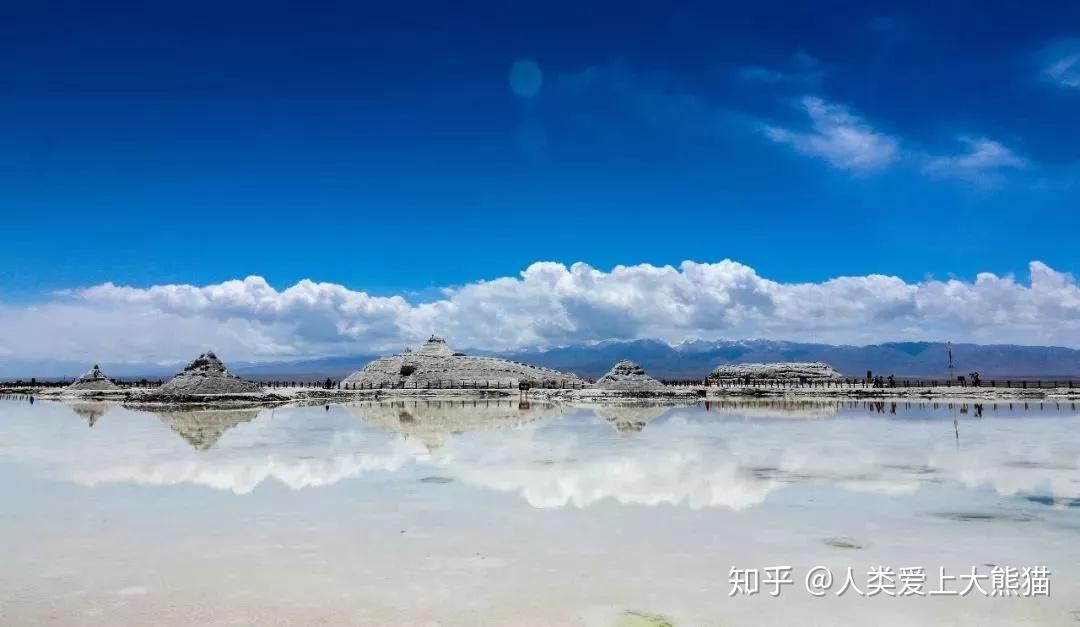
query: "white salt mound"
95, 379
206, 374
814, 371
435, 365
626, 375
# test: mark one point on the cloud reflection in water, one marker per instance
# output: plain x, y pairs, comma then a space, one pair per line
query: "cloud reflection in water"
733, 458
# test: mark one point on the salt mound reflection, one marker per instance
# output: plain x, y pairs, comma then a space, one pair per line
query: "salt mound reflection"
432, 422
552, 457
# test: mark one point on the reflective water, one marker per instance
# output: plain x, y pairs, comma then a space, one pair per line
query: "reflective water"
494, 513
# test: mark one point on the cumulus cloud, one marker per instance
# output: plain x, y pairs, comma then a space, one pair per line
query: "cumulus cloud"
981, 162
547, 304
838, 136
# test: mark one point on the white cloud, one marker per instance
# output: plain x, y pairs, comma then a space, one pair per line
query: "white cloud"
982, 162
1066, 70
1061, 63
847, 142
836, 133
840, 137
548, 304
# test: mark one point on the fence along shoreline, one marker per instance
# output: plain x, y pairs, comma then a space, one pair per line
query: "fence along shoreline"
726, 383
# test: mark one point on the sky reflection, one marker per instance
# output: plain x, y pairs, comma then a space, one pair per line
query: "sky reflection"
729, 456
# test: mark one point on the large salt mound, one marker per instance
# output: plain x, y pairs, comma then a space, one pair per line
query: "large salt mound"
814, 371
206, 375
628, 376
95, 379
435, 365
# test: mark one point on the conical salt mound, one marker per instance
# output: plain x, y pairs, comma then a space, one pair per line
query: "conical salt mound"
628, 376
206, 374
95, 379
434, 347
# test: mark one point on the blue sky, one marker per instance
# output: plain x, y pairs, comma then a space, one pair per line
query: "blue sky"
278, 181
384, 148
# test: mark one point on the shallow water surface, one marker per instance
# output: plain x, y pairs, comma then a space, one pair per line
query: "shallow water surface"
497, 513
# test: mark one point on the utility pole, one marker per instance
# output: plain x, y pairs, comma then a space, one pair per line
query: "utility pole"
951, 366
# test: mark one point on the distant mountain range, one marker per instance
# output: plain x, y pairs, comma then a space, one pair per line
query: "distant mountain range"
689, 360
693, 360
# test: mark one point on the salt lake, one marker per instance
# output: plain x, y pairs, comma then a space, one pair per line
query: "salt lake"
495, 512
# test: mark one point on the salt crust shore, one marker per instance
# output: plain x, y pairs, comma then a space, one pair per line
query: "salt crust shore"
136, 397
